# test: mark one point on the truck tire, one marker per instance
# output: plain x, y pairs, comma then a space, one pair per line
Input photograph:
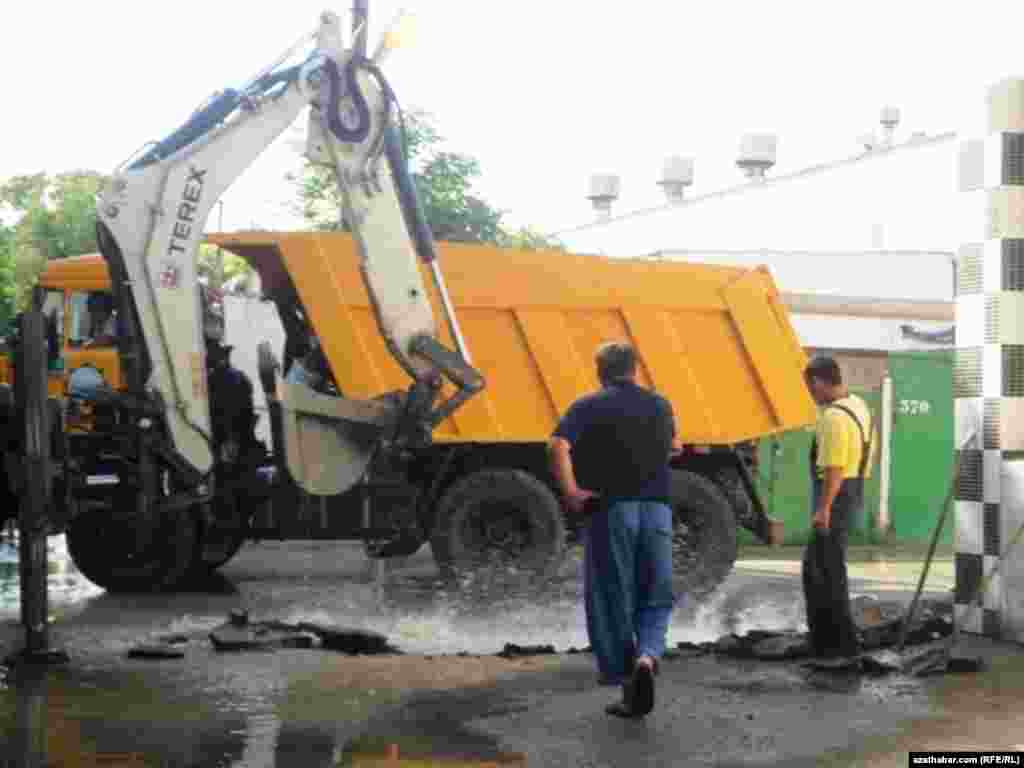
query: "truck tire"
400, 547
728, 481
503, 515
102, 549
704, 539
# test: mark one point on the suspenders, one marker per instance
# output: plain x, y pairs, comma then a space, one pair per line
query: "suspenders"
864, 442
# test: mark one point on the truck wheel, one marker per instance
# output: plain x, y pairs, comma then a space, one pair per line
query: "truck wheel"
704, 540
105, 551
728, 481
506, 516
400, 547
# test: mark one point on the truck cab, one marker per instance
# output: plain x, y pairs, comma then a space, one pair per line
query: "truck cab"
77, 303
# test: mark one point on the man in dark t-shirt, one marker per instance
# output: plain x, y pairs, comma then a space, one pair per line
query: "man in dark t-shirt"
610, 455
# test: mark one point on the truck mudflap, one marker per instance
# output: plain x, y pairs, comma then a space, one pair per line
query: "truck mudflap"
732, 470
767, 529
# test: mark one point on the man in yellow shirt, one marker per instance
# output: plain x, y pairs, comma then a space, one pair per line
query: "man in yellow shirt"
840, 457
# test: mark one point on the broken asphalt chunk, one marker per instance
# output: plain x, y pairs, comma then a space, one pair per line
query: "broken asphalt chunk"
513, 651
156, 651
790, 645
348, 640
173, 639
302, 640
835, 664
930, 661
959, 663
230, 637
732, 645
689, 650
880, 663
761, 644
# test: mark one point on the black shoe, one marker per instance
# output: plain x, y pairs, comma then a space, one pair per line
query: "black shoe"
622, 709
643, 690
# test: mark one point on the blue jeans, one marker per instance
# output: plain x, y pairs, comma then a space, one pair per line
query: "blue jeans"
628, 583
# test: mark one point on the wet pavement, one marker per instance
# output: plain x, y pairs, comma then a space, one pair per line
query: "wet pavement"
313, 707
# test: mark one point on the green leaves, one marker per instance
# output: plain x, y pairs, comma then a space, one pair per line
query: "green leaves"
53, 217
444, 182
219, 266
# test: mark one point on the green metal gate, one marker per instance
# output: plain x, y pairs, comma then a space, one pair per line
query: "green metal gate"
921, 444
920, 458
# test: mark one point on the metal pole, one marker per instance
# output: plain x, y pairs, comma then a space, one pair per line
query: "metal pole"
33, 523
220, 252
33, 409
360, 20
885, 460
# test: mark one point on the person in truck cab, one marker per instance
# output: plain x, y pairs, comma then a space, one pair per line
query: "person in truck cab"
102, 320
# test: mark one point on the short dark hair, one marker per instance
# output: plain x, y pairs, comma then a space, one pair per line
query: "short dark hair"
825, 368
615, 360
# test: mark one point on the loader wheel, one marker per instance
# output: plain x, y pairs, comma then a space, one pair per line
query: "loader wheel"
104, 549
498, 517
228, 543
704, 538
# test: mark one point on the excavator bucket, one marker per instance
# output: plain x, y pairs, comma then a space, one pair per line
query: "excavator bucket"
327, 442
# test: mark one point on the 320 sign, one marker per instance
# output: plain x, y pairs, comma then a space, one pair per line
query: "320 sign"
914, 407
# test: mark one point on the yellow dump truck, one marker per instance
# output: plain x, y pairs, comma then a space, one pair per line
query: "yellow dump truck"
716, 341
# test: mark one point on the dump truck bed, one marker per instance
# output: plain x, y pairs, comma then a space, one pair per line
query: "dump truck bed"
716, 341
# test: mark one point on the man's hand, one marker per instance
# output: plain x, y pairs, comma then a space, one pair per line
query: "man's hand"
676, 450
821, 518
831, 482
576, 500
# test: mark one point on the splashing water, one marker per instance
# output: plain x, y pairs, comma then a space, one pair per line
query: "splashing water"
65, 584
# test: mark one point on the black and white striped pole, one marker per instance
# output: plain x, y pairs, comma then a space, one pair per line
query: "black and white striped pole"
988, 385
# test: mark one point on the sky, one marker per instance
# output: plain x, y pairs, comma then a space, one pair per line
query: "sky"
542, 93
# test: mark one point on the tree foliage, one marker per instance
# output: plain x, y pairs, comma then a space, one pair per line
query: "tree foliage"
444, 185
7, 286
217, 267
51, 217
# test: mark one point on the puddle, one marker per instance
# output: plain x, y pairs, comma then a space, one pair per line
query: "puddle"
72, 717
313, 708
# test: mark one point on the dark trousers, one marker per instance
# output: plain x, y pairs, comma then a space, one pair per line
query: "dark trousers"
830, 625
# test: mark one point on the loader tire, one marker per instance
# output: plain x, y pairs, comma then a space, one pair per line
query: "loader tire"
704, 536
498, 516
231, 542
103, 549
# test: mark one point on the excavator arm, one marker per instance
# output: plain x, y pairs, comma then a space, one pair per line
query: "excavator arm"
151, 218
